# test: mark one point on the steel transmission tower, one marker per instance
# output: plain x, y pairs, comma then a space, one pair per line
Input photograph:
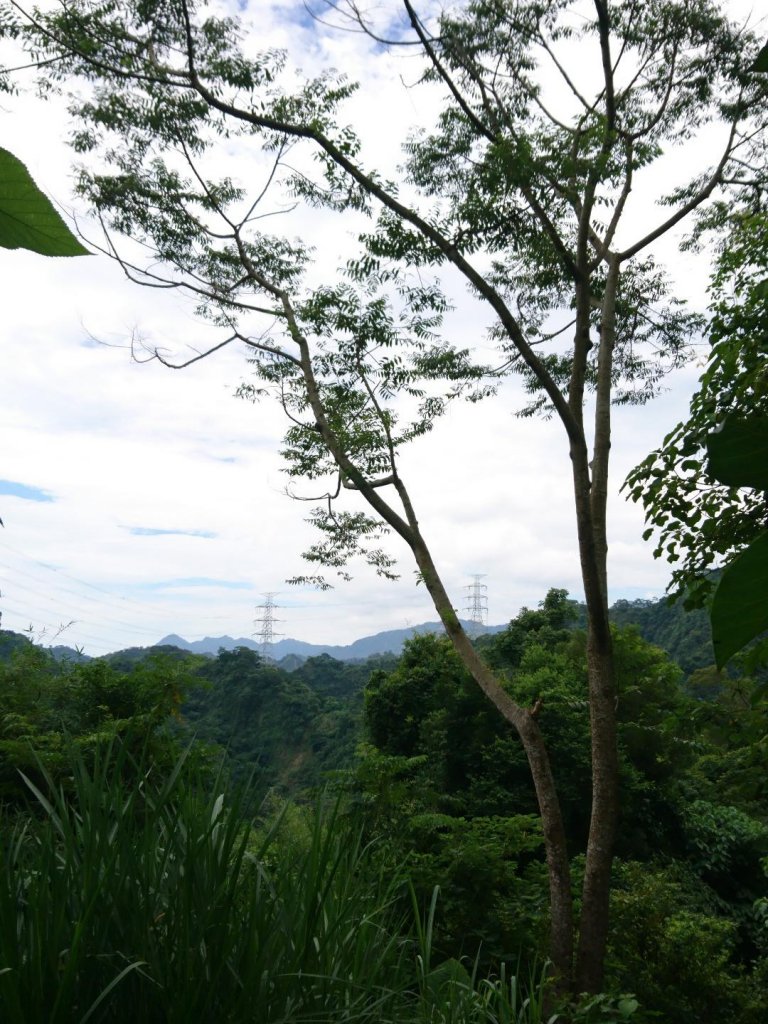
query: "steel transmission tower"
477, 605
266, 622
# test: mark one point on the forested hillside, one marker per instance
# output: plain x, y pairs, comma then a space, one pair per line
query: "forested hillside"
294, 727
685, 635
425, 768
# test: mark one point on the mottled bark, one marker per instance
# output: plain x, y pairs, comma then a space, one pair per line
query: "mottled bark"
593, 926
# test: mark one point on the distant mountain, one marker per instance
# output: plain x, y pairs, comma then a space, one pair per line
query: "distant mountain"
211, 645
389, 642
11, 642
62, 653
684, 635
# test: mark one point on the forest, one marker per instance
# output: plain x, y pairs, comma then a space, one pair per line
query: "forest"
360, 841
564, 821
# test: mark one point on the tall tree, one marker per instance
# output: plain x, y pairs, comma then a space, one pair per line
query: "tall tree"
551, 114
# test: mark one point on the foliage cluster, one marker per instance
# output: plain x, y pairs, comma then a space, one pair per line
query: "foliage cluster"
51, 711
295, 727
444, 779
135, 886
704, 488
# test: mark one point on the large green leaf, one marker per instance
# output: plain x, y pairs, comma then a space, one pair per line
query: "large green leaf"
761, 64
738, 453
27, 217
739, 608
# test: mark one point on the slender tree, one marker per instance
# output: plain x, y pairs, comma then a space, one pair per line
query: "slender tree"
552, 113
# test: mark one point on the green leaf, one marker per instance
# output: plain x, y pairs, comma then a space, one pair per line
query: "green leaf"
761, 64
738, 453
27, 217
627, 1005
740, 605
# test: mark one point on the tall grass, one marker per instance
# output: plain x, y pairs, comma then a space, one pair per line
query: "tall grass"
453, 992
152, 901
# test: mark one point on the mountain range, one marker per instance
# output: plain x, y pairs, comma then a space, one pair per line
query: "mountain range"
389, 642
684, 635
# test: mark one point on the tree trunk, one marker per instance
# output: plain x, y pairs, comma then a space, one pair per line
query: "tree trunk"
593, 928
524, 722
591, 494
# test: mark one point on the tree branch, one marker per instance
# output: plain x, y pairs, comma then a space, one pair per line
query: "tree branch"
694, 202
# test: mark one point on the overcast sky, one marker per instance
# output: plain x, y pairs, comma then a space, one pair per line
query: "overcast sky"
139, 501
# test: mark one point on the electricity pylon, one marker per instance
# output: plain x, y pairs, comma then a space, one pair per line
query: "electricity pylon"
266, 621
477, 605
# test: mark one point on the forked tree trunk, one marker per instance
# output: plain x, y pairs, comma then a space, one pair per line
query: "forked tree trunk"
590, 491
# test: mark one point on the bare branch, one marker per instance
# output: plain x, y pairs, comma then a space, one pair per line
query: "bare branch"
149, 279
327, 496
604, 29
695, 201
188, 362
588, 107
356, 17
602, 246
442, 71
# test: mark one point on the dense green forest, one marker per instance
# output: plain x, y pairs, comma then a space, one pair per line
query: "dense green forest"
387, 800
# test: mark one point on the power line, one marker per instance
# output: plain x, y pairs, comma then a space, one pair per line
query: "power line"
49, 630
117, 599
75, 605
14, 585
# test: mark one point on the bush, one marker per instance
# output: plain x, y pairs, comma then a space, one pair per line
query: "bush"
675, 952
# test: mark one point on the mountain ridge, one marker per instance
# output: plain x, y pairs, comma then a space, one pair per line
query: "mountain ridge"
388, 641
686, 636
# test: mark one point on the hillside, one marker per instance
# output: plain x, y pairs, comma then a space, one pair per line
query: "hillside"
685, 636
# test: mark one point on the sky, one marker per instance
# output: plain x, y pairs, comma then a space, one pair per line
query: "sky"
139, 501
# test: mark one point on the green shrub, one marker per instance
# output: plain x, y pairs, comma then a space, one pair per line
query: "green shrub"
676, 953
